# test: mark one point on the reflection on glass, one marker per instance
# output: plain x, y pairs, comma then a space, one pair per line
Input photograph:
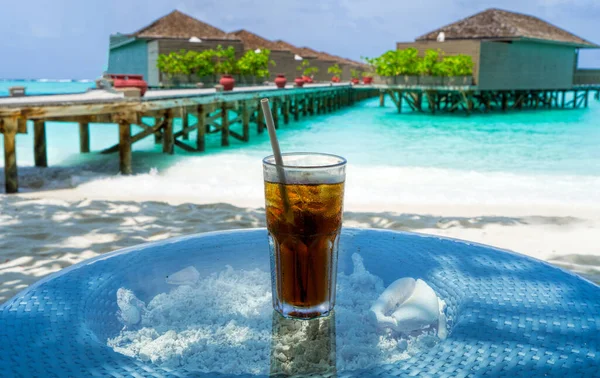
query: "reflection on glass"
300, 347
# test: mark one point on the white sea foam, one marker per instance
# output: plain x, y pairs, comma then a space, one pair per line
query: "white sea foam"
237, 179
203, 327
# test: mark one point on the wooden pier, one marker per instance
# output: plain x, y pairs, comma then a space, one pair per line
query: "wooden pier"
230, 114
469, 99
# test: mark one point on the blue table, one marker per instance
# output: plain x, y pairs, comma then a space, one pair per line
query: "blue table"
509, 315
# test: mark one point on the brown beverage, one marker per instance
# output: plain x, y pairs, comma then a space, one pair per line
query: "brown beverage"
304, 246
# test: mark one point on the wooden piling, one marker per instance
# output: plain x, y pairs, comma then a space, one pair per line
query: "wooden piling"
158, 138
260, 119
39, 143
201, 129
168, 142
275, 112
286, 110
382, 99
304, 105
84, 137
296, 109
224, 125
400, 97
11, 175
245, 121
185, 123
585, 99
125, 147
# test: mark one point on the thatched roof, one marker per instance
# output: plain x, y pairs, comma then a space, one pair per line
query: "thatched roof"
283, 45
179, 25
501, 24
307, 52
253, 41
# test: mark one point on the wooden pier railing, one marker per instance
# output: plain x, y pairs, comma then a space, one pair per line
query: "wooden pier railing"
201, 110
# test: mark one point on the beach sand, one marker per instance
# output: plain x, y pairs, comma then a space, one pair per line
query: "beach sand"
46, 231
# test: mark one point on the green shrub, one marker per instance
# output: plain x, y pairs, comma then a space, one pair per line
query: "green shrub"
224, 60
335, 70
255, 64
306, 69
408, 61
354, 73
432, 63
459, 65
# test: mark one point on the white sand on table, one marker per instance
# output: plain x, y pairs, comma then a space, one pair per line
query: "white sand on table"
185, 328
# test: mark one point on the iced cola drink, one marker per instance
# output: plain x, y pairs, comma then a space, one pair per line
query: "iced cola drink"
304, 203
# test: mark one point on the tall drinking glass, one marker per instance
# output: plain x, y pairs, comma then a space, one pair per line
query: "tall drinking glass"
304, 201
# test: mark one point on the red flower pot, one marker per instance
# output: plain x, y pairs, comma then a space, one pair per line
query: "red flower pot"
130, 81
355, 80
280, 81
307, 79
367, 80
335, 79
227, 82
299, 81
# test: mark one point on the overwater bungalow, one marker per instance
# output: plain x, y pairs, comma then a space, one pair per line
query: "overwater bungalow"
137, 52
518, 60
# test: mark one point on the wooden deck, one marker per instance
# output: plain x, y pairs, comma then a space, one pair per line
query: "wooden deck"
203, 110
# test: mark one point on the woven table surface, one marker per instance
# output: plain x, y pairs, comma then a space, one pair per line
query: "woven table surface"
509, 315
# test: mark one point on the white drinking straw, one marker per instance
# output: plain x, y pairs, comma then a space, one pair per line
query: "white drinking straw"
273, 137
264, 103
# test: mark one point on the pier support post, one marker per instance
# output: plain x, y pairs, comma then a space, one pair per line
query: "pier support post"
125, 147
260, 123
201, 128
224, 125
157, 135
304, 105
400, 97
168, 133
585, 98
11, 176
296, 109
286, 110
381, 99
504, 101
84, 137
185, 123
275, 112
39, 143
245, 121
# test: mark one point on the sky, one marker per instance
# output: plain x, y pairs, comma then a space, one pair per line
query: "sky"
68, 39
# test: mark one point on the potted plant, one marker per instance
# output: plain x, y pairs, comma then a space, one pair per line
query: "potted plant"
255, 63
431, 68
225, 65
308, 72
367, 78
336, 71
459, 69
354, 73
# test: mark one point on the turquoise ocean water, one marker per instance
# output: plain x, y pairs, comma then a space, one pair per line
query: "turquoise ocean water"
555, 145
